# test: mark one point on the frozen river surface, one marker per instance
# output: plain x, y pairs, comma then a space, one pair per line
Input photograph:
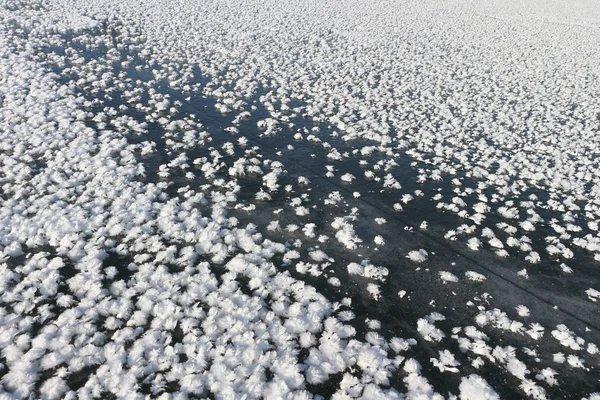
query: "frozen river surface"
334, 199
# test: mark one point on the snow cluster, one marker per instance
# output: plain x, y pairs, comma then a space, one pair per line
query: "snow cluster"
475, 387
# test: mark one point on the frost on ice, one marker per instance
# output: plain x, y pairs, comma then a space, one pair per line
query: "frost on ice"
281, 199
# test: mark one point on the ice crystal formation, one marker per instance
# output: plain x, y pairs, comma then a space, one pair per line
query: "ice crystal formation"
299, 200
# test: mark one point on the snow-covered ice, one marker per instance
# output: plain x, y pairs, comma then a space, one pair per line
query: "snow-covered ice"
333, 199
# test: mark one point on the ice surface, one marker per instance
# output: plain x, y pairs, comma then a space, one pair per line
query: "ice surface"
335, 199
